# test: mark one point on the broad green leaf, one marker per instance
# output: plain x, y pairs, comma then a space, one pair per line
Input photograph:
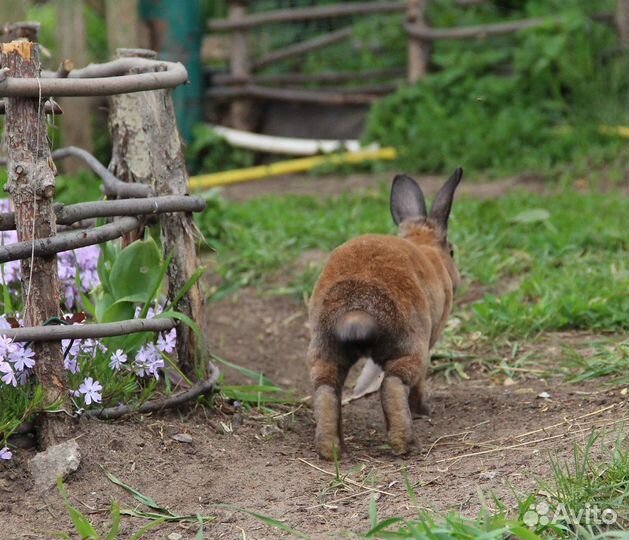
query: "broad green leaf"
136, 271
102, 305
119, 311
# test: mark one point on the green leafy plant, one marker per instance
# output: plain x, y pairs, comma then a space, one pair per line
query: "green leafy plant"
497, 105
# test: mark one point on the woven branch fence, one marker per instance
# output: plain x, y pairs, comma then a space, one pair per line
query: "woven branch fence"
145, 183
244, 83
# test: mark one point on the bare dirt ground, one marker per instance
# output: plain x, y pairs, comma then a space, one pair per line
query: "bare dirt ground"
483, 437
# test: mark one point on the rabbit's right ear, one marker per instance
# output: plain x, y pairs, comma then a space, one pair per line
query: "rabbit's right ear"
407, 199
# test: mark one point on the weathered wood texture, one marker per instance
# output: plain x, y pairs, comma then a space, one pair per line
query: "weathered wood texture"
123, 25
31, 186
418, 49
76, 124
306, 14
240, 110
147, 148
304, 47
622, 21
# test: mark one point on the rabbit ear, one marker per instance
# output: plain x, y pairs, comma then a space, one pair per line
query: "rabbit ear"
407, 199
440, 209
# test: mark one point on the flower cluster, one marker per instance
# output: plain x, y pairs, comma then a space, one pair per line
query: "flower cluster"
77, 268
16, 360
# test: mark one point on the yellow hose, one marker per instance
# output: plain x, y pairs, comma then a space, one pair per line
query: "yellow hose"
287, 167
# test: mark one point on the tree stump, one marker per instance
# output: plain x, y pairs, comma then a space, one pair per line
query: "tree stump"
147, 149
31, 186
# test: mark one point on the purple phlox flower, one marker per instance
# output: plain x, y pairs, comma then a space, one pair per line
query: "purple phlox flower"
117, 359
5, 453
166, 342
22, 358
148, 361
23, 376
8, 376
3, 322
91, 390
74, 393
86, 261
7, 346
70, 361
150, 313
92, 346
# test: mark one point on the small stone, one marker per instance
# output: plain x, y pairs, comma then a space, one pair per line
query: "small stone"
174, 536
182, 438
487, 475
543, 395
59, 460
623, 392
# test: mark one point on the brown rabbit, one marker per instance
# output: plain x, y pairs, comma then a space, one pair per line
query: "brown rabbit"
386, 298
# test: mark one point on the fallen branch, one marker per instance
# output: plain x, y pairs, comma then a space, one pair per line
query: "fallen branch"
45, 247
202, 388
85, 331
114, 187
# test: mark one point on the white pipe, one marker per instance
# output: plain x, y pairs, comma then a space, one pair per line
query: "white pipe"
288, 145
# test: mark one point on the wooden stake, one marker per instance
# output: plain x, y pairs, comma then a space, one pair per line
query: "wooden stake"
240, 111
31, 186
418, 50
147, 149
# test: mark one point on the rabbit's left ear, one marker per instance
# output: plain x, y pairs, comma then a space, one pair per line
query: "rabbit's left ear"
407, 199
440, 209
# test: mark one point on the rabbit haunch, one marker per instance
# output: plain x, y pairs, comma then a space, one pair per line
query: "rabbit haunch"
386, 298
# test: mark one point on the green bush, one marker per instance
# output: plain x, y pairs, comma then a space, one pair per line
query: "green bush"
527, 101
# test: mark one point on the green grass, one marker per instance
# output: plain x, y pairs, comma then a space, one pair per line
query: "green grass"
545, 262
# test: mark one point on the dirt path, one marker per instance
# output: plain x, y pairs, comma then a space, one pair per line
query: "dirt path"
481, 436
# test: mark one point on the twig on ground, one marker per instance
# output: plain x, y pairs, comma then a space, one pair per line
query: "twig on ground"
347, 480
197, 390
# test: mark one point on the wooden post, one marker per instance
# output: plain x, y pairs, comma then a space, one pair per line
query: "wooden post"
123, 24
147, 148
31, 185
12, 10
418, 51
76, 123
240, 111
622, 21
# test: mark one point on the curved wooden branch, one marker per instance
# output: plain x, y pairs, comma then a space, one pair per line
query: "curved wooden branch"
114, 187
46, 247
100, 79
202, 388
84, 331
67, 215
